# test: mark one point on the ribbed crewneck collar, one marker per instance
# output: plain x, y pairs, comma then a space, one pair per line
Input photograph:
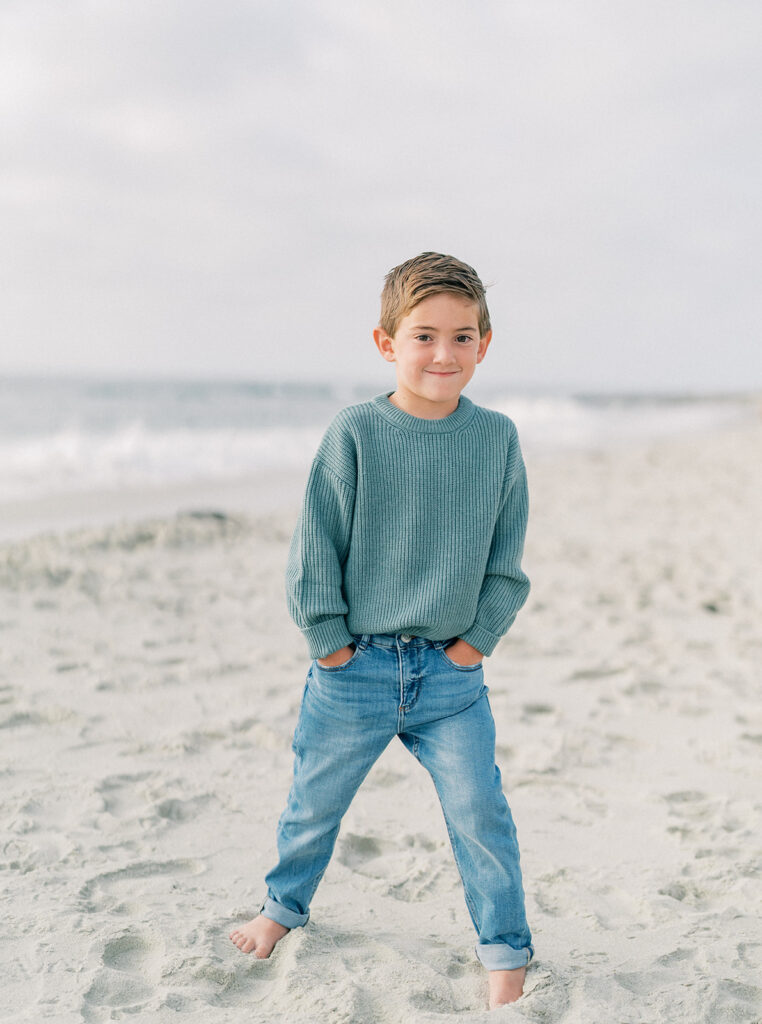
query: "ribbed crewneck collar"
455, 421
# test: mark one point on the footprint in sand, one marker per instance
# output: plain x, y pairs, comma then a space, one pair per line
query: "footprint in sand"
684, 802
692, 810
126, 977
735, 1000
679, 955
684, 892
119, 891
410, 869
356, 852
546, 992
531, 711
178, 811
722, 828
552, 894
384, 778
750, 953
612, 909
118, 793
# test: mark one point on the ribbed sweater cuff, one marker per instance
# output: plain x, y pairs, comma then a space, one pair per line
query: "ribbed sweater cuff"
481, 639
326, 637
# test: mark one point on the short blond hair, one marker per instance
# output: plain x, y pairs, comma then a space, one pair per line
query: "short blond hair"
431, 273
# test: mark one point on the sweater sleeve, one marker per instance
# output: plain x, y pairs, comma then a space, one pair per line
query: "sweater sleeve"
505, 587
319, 548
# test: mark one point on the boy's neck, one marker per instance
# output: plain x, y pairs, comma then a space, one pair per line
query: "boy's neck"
423, 409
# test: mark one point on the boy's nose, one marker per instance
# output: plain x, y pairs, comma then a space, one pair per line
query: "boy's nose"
442, 355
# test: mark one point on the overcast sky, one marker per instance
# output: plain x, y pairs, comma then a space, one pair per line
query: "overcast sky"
217, 189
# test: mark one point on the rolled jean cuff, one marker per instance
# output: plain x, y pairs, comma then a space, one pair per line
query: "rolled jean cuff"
282, 915
497, 956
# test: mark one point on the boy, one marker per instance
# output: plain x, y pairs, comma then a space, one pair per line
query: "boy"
404, 571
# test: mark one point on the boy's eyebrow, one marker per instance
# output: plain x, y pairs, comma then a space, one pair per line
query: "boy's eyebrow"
424, 327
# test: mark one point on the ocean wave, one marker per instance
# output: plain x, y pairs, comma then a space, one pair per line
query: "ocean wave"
600, 421
144, 440
72, 459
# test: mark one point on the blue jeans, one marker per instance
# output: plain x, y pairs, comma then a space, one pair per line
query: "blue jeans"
408, 687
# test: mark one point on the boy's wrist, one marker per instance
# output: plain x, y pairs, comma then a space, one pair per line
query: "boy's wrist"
327, 637
481, 639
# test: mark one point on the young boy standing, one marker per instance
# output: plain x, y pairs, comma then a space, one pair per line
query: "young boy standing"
404, 572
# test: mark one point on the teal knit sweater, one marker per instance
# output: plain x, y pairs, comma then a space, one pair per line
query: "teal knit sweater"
410, 525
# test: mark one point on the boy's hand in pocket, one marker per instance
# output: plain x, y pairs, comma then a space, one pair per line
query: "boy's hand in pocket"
463, 653
337, 658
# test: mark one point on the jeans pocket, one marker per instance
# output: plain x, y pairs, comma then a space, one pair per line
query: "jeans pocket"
344, 665
453, 664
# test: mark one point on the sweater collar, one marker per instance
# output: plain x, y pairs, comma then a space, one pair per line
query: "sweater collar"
455, 421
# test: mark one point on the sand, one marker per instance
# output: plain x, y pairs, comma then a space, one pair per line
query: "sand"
149, 683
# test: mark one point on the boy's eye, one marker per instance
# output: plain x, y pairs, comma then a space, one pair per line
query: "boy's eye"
423, 337
463, 338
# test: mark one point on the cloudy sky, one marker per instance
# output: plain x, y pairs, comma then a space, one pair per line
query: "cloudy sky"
217, 189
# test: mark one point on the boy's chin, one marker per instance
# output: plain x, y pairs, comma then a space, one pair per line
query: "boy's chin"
445, 388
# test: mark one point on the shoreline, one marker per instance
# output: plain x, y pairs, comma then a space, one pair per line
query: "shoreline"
267, 492
280, 490
549, 428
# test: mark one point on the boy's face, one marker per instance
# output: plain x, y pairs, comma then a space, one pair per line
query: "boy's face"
436, 348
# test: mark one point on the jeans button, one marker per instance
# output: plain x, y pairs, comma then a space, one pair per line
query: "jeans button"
406, 638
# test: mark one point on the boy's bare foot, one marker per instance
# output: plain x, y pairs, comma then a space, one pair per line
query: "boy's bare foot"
505, 986
258, 936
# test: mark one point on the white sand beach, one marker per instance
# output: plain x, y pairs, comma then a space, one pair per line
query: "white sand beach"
149, 683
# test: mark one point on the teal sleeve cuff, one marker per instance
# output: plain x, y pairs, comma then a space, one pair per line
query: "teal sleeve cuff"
481, 639
326, 637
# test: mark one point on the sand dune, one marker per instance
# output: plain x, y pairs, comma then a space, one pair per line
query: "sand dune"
149, 683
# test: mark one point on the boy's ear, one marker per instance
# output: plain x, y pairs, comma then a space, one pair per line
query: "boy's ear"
384, 344
483, 346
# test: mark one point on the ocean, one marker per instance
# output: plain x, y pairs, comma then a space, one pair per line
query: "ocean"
65, 437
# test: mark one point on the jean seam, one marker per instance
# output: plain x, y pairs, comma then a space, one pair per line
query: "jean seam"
400, 712
318, 880
469, 900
